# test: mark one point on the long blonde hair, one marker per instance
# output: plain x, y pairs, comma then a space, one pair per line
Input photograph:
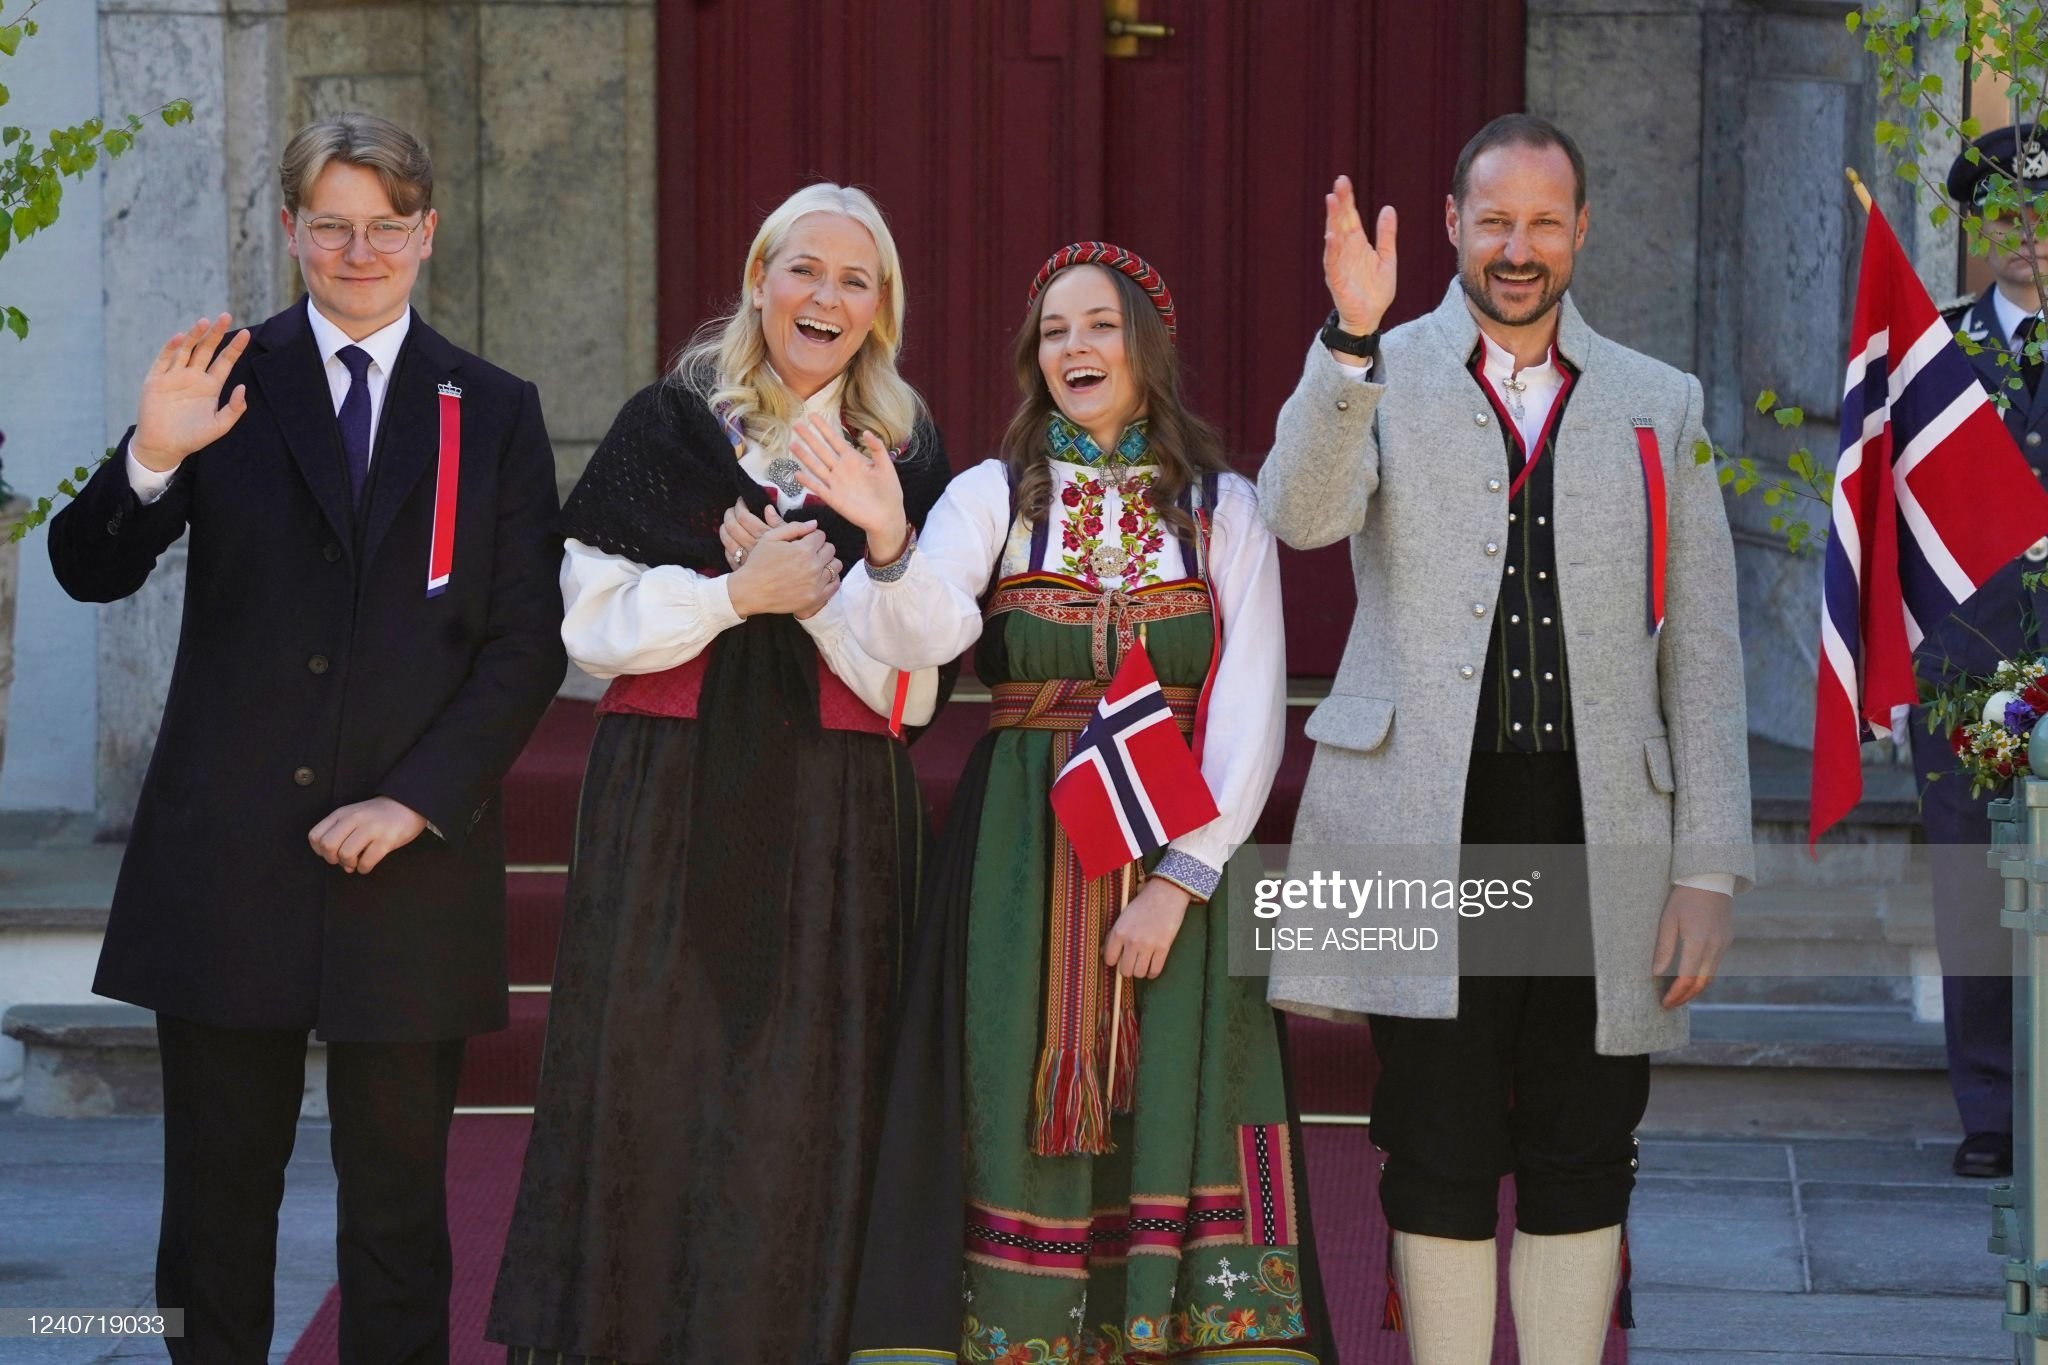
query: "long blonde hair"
727, 361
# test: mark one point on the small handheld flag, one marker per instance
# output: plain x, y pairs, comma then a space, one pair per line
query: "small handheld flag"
1131, 785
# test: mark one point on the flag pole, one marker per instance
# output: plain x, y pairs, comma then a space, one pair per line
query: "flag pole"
1116, 1005
1856, 184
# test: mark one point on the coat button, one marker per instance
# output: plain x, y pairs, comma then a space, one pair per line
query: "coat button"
113, 526
1343, 405
1493, 485
1478, 419
331, 551
1492, 548
317, 664
1464, 670
2033, 438
1479, 608
303, 776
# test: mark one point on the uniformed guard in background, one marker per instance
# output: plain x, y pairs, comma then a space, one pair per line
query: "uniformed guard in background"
1999, 622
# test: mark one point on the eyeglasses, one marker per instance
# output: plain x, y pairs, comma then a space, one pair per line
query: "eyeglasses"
385, 236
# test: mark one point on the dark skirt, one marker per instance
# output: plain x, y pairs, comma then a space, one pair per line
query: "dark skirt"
711, 1092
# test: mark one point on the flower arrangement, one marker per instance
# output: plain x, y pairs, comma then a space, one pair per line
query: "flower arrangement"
1991, 749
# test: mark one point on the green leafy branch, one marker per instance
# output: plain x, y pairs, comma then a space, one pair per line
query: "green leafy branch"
1809, 480
32, 175
41, 510
2000, 36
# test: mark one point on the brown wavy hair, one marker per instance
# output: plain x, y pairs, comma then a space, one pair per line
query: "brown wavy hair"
1183, 445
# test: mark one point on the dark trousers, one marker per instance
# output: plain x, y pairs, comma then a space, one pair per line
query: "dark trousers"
1513, 1083
231, 1112
1975, 950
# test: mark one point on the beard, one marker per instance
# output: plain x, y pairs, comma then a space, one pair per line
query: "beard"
1552, 285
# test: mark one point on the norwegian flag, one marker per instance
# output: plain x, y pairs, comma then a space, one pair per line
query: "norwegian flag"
1131, 785
1931, 499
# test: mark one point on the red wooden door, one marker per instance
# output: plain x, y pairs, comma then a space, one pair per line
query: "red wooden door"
993, 131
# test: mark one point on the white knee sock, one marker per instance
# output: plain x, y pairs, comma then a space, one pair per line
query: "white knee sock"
1562, 1289
1447, 1298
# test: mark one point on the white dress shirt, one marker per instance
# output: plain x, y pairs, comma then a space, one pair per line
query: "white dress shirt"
2010, 314
623, 617
932, 613
1540, 386
383, 346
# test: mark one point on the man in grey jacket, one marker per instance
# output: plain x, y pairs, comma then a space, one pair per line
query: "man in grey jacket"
1544, 654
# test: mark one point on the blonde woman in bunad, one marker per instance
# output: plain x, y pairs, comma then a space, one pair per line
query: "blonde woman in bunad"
1128, 1194
748, 844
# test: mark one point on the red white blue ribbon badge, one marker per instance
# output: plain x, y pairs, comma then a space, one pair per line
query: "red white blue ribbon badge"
447, 472
1653, 492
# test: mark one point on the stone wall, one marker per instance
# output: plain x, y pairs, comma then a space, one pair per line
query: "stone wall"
1724, 240
50, 395
540, 118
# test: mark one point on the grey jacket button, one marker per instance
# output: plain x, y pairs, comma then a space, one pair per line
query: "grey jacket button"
1343, 405
1464, 670
1479, 608
1493, 485
1478, 419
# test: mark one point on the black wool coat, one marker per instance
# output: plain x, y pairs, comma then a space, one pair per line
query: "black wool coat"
314, 671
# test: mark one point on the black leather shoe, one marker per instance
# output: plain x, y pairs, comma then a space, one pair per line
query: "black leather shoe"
1984, 1155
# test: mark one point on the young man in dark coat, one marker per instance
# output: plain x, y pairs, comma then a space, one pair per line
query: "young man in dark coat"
1976, 961
371, 631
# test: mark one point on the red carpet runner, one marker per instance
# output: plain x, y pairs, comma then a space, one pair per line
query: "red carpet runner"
483, 1173
1334, 1067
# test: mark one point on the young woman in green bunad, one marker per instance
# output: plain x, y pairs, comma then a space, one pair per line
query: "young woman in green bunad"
1073, 1173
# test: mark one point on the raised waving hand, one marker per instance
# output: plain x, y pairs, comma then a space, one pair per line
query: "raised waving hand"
181, 411
1359, 271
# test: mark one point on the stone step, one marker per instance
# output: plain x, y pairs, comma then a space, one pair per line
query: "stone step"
100, 1059
1824, 1037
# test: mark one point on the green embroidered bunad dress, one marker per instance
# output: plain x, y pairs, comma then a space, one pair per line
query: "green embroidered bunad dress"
1157, 1213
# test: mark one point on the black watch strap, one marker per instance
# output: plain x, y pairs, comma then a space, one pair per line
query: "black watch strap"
1337, 339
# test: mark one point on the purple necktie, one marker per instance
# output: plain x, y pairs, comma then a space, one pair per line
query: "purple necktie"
355, 418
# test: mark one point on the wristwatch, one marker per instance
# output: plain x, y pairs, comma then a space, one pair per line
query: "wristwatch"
1337, 339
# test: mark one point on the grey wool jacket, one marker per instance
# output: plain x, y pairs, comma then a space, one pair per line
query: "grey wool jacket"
1409, 467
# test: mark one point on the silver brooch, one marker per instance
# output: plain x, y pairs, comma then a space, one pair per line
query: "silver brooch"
782, 472
1516, 387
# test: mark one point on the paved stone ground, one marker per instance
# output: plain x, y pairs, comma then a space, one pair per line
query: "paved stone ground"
79, 1200
1747, 1252
1771, 1253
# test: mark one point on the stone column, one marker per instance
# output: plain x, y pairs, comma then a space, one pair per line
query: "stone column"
1724, 240
567, 207
51, 412
1624, 80
165, 254
1793, 101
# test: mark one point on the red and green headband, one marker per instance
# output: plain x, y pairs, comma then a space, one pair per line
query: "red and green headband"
1111, 257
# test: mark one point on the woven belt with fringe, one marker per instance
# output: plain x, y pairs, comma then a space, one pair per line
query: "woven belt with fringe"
1069, 1112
